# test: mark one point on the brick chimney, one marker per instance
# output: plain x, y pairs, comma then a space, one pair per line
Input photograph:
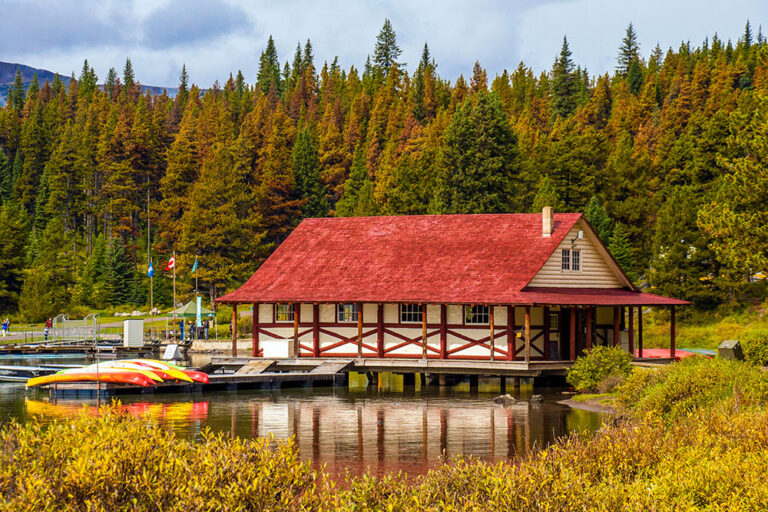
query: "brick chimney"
547, 221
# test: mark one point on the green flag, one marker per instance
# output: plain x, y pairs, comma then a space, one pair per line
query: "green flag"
194, 267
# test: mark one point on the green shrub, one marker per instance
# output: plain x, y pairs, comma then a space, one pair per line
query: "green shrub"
755, 346
589, 370
676, 390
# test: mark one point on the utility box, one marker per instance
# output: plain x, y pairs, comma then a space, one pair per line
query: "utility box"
730, 349
133, 333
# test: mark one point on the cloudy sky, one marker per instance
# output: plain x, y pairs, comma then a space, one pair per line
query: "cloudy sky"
216, 37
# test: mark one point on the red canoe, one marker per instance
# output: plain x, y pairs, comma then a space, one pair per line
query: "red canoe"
117, 377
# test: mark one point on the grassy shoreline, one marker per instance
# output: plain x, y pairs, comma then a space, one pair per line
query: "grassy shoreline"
680, 447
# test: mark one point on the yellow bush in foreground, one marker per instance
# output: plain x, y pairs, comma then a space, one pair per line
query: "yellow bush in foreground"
715, 460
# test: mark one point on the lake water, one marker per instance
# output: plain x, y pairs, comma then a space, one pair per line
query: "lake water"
380, 429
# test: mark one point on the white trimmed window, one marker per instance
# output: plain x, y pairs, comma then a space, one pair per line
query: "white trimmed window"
410, 313
346, 312
570, 260
477, 315
283, 312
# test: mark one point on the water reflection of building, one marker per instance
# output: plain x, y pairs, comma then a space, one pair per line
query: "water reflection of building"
383, 436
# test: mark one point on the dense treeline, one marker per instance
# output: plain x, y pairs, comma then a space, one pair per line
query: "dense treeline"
667, 155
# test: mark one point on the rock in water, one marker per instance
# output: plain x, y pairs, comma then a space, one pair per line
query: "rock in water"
505, 400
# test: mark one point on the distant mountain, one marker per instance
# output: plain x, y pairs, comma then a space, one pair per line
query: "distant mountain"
8, 75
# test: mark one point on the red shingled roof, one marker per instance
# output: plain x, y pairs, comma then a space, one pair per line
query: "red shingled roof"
454, 259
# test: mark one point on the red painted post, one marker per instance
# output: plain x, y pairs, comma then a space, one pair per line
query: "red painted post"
632, 331
573, 334
492, 334
443, 331
234, 330
527, 334
360, 330
380, 330
296, 322
424, 330
547, 350
315, 330
640, 331
616, 326
511, 334
672, 333
255, 352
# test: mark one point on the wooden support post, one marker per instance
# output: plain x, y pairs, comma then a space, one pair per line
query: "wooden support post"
616, 316
640, 331
573, 334
360, 330
424, 330
590, 312
296, 320
511, 334
547, 348
234, 330
527, 334
492, 340
255, 352
380, 330
443, 331
315, 330
672, 329
631, 333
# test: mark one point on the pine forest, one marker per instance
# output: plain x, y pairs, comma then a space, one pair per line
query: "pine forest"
667, 155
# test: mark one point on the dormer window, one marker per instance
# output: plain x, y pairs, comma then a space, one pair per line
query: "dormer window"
570, 260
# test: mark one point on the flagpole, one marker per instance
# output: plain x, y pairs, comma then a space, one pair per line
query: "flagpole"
174, 280
196, 292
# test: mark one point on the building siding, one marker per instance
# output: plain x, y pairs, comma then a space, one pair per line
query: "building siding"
596, 271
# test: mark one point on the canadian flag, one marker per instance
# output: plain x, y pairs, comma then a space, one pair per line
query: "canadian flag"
171, 263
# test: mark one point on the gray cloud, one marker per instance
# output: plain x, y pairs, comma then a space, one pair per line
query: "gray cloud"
54, 25
217, 37
182, 22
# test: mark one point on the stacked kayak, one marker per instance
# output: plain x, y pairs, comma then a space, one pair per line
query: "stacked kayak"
137, 372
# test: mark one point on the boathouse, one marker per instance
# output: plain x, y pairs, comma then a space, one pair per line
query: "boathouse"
512, 287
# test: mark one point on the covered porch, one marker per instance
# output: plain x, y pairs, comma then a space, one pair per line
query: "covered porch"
506, 332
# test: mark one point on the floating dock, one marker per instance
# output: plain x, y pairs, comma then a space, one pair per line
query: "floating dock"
234, 373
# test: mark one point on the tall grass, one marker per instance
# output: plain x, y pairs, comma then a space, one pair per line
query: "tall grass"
698, 439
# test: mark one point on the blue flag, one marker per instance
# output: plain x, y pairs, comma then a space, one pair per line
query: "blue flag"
151, 270
194, 267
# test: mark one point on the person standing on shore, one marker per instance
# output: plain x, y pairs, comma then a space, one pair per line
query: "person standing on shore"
5, 327
48, 325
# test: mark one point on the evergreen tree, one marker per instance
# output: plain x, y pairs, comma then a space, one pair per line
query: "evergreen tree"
118, 274
88, 80
621, 249
387, 51
129, 79
564, 84
635, 77
48, 281
17, 95
478, 162
598, 218
306, 171
357, 200
546, 195
269, 70
111, 82
6, 178
184, 81
629, 51
13, 235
